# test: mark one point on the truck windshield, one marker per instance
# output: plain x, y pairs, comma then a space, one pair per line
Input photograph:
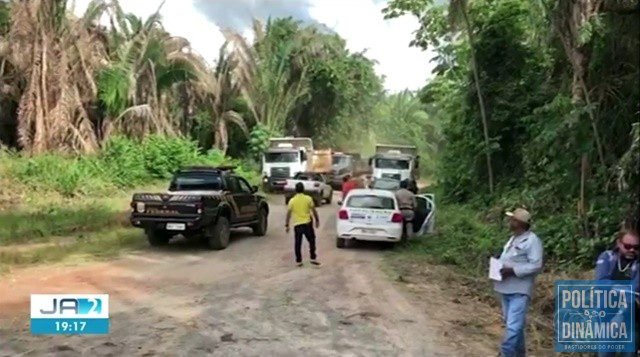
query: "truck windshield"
274, 157
194, 181
339, 160
395, 164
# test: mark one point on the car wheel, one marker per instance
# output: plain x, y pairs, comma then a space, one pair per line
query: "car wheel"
217, 235
341, 243
260, 228
330, 196
158, 238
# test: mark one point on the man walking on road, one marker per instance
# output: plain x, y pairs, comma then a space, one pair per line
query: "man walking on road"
301, 207
521, 260
621, 263
407, 205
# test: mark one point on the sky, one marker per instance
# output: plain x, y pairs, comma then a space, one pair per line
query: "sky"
359, 22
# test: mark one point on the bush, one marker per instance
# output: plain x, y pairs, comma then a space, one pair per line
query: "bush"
124, 163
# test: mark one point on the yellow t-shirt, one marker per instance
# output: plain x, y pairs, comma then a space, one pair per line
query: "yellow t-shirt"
300, 206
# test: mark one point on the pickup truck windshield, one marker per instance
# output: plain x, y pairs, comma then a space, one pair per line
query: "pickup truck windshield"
339, 160
306, 177
370, 201
384, 184
394, 164
194, 181
274, 157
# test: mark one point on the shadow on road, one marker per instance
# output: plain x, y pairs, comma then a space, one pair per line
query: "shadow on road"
180, 245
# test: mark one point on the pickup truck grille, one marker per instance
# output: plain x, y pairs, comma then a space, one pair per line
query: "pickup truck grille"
280, 172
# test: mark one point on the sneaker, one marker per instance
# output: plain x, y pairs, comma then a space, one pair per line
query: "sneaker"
314, 262
299, 264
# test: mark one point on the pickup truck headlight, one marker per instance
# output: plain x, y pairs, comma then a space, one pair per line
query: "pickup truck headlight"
140, 207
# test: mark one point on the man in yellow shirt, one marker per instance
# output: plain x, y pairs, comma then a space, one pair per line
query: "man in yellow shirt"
301, 207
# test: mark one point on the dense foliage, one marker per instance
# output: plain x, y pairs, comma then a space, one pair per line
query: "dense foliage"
539, 107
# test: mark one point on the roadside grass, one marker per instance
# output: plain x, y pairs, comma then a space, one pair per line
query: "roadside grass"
48, 216
83, 247
455, 258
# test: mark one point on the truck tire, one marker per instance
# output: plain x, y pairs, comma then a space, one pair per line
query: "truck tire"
260, 228
158, 238
217, 234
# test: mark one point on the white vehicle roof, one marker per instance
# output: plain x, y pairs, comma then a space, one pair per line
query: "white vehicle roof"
369, 192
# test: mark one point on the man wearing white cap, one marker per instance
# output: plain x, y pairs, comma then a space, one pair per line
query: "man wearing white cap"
521, 261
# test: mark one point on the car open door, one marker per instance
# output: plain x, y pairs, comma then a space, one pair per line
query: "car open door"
424, 219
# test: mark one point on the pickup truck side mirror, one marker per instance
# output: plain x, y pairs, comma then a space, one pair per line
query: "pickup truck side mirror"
254, 188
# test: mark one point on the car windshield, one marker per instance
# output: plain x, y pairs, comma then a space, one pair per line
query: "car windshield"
339, 160
275, 157
383, 184
394, 164
194, 181
371, 201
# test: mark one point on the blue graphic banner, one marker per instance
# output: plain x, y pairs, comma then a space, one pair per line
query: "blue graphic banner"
594, 316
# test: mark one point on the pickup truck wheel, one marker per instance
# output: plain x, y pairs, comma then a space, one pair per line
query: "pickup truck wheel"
260, 228
158, 238
217, 235
341, 243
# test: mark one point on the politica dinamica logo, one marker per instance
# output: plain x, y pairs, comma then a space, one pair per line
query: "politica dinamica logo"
594, 316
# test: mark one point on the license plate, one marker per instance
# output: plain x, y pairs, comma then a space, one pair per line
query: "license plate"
176, 226
279, 182
368, 231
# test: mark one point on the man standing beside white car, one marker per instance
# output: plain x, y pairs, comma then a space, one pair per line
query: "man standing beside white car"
407, 205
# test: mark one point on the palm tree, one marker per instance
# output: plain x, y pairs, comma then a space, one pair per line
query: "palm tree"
263, 72
219, 91
54, 59
146, 63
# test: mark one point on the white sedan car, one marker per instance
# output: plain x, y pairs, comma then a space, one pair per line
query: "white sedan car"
373, 215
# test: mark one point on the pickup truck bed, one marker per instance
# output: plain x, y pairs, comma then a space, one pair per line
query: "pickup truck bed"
317, 189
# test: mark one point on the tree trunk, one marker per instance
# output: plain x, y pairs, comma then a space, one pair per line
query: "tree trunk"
483, 112
221, 140
572, 16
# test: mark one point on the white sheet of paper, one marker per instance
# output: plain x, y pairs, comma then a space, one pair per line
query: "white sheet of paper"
494, 269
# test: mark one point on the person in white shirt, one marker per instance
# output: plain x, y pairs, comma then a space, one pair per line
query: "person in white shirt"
521, 261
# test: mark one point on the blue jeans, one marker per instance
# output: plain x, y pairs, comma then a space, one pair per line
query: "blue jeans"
514, 312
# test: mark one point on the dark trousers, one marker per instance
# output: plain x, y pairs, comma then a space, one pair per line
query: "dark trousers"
307, 231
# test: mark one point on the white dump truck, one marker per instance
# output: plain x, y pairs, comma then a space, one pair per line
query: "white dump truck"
284, 158
399, 162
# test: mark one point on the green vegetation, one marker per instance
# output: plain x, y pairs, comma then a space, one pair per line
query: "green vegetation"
538, 107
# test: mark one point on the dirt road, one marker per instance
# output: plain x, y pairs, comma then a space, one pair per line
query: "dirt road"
248, 300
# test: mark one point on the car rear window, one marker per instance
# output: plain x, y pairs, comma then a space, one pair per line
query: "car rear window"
371, 201
196, 182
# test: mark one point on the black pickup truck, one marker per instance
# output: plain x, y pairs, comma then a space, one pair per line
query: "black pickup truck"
202, 202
